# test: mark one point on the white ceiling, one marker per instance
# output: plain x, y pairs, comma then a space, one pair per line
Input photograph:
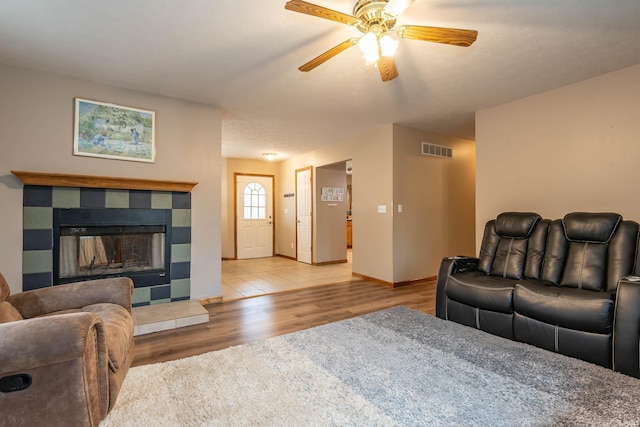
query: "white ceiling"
243, 55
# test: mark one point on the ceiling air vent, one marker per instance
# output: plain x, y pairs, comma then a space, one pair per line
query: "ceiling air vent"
436, 150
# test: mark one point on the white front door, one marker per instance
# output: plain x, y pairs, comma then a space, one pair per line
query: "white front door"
303, 214
254, 216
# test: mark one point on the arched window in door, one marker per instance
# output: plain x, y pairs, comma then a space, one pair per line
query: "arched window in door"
255, 201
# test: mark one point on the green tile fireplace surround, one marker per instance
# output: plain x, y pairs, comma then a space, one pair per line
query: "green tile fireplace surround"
44, 192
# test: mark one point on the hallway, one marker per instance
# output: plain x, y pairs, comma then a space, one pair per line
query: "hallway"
260, 276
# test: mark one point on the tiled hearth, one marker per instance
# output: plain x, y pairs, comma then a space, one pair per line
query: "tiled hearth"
162, 317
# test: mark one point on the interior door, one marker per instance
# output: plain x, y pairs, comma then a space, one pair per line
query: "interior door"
254, 216
303, 214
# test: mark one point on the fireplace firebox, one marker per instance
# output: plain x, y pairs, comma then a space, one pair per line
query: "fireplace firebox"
100, 243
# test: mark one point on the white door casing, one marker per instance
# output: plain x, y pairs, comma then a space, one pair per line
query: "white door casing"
303, 215
254, 216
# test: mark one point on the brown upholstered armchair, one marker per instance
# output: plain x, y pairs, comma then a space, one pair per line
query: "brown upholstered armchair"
64, 352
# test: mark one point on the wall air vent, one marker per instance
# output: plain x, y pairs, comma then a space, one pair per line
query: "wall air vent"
436, 150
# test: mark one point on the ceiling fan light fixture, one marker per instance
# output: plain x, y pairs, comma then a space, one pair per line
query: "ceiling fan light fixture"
388, 45
269, 156
368, 44
375, 19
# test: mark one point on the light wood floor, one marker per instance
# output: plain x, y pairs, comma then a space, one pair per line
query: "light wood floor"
260, 276
241, 321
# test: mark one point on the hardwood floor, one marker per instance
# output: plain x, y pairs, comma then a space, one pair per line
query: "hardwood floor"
241, 321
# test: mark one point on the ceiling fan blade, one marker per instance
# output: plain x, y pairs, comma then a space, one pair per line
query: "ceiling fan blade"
323, 57
437, 34
396, 7
387, 67
319, 11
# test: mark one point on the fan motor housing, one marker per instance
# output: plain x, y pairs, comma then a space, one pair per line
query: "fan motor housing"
371, 14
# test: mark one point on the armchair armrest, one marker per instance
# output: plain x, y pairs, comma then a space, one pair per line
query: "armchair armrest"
32, 343
449, 266
65, 359
626, 327
73, 296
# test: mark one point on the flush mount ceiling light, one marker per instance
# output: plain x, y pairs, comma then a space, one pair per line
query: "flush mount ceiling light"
376, 20
269, 156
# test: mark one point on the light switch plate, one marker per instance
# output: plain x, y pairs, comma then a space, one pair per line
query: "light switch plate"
382, 208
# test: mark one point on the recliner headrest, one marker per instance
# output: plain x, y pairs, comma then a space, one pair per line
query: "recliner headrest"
517, 225
590, 227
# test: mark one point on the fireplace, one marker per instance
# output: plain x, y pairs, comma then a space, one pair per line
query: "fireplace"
101, 243
45, 192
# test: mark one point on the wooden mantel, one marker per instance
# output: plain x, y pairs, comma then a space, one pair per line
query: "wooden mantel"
90, 181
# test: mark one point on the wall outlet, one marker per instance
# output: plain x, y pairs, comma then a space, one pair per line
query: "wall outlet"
399, 208
291, 245
382, 208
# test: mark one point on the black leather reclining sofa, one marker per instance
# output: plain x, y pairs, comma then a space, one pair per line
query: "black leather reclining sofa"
565, 285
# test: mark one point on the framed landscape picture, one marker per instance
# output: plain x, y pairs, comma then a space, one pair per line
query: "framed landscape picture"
113, 132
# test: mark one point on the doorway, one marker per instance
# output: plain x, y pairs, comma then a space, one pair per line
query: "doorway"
304, 196
254, 216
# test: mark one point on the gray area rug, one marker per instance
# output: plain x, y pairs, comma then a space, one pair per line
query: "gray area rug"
397, 367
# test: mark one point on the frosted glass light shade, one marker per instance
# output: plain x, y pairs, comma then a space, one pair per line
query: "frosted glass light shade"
388, 45
368, 44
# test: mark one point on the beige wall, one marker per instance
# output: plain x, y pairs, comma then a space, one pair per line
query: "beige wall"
373, 187
438, 203
387, 169
286, 221
242, 166
569, 149
371, 154
36, 122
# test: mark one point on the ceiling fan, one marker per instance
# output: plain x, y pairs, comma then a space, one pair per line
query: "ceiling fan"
376, 19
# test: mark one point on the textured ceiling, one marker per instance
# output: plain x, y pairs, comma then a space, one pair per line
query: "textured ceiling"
243, 55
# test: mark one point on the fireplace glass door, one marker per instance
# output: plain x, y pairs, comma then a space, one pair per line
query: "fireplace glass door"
91, 251
100, 243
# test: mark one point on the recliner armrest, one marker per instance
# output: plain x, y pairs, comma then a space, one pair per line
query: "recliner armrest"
463, 263
32, 343
65, 359
76, 295
449, 266
626, 327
